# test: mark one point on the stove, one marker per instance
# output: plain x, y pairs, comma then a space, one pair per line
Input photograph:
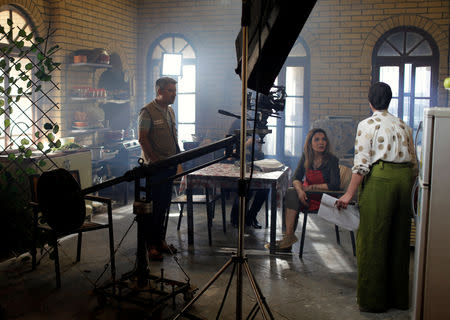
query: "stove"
124, 155
131, 144
129, 153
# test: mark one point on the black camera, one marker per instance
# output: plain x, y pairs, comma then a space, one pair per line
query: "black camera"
270, 105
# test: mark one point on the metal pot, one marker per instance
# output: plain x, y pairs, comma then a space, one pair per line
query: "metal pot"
96, 153
114, 136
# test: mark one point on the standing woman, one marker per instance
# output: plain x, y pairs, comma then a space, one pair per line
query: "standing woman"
318, 169
384, 166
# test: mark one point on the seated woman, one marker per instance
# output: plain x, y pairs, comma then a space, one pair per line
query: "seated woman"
318, 169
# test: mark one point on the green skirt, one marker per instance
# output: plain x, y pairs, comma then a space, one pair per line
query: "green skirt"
383, 236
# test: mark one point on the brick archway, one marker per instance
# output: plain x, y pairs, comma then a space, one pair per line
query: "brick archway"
435, 31
311, 40
31, 9
439, 35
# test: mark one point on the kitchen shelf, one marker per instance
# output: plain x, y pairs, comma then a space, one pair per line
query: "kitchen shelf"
87, 99
87, 131
100, 100
85, 95
116, 101
91, 65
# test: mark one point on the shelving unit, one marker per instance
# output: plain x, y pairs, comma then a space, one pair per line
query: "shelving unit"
91, 67
83, 75
90, 88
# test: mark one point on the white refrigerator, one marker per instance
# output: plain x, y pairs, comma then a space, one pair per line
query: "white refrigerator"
431, 283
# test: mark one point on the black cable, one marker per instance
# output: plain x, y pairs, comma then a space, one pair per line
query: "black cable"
115, 251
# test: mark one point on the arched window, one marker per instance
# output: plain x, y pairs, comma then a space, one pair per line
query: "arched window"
16, 117
185, 103
407, 59
286, 140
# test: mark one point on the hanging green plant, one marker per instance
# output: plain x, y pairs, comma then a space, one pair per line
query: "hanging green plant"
26, 66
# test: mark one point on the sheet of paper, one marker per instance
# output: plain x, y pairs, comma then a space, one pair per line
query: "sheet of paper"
345, 218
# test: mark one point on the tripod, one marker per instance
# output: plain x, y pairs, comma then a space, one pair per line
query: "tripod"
239, 260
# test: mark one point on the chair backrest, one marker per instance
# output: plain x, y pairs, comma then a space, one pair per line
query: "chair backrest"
341, 133
346, 175
34, 178
58, 194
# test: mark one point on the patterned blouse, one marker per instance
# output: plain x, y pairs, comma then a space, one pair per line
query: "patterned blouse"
382, 137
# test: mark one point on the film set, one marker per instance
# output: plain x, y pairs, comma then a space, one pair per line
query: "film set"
252, 159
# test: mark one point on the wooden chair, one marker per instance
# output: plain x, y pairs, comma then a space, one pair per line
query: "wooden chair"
208, 198
345, 175
55, 235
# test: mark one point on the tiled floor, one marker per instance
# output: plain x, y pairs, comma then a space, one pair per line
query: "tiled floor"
322, 285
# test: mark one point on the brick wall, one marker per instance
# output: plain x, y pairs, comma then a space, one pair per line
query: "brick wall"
83, 24
341, 35
211, 28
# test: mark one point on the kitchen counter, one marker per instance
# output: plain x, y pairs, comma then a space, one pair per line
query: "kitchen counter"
79, 159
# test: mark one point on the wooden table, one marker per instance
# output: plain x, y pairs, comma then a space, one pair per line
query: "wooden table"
224, 175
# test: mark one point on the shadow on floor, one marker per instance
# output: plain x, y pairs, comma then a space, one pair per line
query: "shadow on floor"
322, 285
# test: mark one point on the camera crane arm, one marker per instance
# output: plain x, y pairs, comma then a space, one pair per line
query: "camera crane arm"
145, 170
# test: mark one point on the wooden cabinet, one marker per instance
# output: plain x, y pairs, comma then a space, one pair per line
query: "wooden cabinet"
72, 160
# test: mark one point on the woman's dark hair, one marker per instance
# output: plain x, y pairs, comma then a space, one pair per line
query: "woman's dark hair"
308, 150
380, 95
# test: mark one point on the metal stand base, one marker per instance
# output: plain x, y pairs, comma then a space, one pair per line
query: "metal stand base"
236, 261
139, 286
153, 296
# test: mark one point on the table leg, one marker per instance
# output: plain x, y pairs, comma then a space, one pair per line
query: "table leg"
190, 216
224, 205
273, 218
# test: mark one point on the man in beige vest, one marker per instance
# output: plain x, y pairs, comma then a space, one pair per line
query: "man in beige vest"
157, 134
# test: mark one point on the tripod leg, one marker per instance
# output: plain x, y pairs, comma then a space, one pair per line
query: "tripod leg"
226, 292
253, 312
210, 282
261, 300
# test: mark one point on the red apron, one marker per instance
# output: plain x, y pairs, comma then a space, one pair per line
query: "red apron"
314, 177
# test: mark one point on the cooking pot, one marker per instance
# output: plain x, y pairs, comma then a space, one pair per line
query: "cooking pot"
114, 136
99, 55
129, 134
96, 153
